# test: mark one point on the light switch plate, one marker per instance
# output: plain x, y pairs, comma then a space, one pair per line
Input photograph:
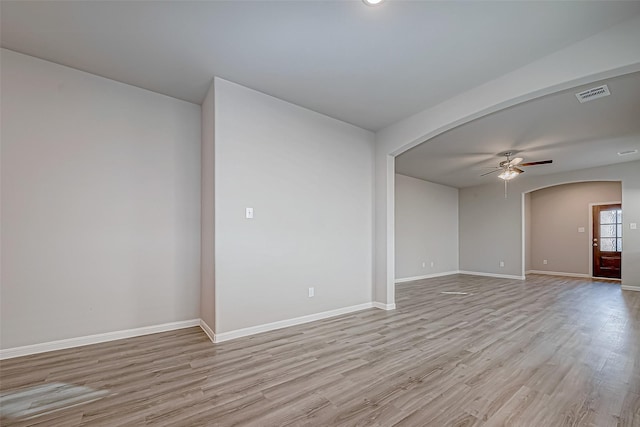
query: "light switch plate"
633, 226
580, 229
249, 213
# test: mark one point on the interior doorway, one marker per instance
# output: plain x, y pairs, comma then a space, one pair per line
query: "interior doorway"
558, 230
607, 241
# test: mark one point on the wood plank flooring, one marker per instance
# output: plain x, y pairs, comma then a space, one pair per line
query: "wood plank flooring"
548, 351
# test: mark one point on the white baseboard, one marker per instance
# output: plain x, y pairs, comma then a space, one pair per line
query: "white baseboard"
499, 276
226, 336
383, 306
94, 339
426, 276
207, 330
558, 273
216, 338
630, 288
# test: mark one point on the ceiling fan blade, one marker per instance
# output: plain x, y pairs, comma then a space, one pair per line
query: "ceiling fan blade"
491, 172
517, 169
543, 162
516, 161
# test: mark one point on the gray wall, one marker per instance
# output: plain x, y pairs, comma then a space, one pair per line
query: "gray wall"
426, 227
490, 229
100, 204
491, 226
309, 179
556, 215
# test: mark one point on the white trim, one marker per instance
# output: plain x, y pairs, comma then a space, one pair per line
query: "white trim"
558, 273
630, 288
207, 330
426, 276
94, 339
500, 276
226, 336
383, 306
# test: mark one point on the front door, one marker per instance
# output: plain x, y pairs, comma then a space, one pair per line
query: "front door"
607, 241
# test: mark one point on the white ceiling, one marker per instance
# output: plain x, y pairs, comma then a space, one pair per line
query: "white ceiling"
369, 66
556, 127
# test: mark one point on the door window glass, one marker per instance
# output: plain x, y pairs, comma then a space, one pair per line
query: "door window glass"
611, 230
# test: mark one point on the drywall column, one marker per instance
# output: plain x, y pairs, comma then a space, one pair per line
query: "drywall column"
619, 53
527, 231
207, 242
384, 270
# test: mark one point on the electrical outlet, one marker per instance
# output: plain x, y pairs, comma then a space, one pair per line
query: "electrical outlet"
312, 292
424, 264
432, 264
501, 263
544, 261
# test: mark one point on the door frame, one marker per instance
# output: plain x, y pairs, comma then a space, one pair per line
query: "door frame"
591, 205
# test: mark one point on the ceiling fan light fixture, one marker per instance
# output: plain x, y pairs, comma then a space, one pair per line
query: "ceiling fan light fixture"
372, 2
509, 174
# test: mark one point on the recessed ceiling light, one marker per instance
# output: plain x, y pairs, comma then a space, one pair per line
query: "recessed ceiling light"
372, 2
627, 152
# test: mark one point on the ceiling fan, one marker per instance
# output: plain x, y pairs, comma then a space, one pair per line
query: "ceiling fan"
510, 168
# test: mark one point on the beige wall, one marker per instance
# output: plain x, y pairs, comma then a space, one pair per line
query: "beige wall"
309, 179
100, 205
557, 213
426, 227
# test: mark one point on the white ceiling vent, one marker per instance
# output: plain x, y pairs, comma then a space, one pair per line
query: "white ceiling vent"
593, 93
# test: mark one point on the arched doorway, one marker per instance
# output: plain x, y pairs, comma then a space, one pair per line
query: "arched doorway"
563, 235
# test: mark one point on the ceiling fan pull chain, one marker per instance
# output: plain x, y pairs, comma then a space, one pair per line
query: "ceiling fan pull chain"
505, 188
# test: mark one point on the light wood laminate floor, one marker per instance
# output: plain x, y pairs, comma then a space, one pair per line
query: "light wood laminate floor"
548, 351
